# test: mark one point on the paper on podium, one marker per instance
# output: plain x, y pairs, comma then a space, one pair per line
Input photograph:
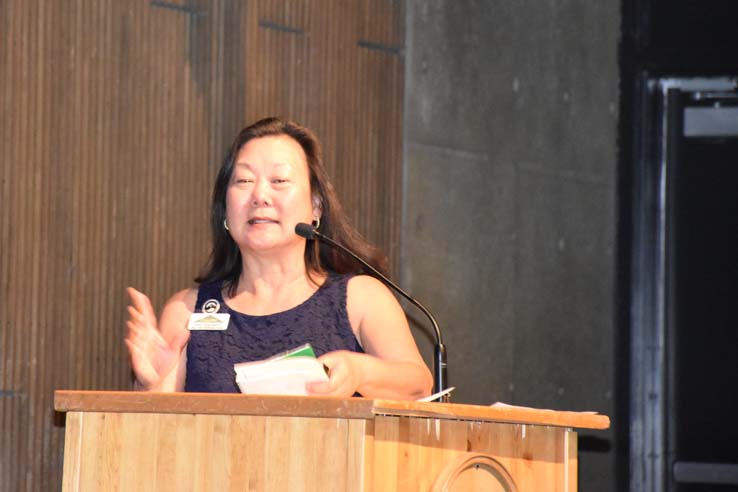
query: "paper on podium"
283, 374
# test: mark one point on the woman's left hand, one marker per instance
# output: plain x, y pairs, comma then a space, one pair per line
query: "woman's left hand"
343, 374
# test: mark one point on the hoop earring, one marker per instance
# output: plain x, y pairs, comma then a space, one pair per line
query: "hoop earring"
316, 223
225, 224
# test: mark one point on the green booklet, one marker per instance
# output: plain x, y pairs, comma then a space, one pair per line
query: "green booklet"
301, 351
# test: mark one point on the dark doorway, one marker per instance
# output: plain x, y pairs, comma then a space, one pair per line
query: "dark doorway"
678, 245
702, 290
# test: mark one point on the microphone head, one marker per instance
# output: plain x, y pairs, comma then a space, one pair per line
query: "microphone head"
305, 230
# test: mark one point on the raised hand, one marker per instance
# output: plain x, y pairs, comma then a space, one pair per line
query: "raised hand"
152, 356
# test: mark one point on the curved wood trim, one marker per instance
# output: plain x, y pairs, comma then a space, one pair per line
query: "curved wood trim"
450, 473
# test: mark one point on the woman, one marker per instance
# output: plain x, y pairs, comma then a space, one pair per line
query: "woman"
279, 289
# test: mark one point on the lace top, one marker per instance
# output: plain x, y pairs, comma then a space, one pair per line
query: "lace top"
322, 321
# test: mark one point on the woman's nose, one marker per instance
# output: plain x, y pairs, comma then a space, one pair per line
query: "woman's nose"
260, 194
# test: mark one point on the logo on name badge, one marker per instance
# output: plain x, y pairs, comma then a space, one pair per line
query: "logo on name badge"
208, 321
211, 306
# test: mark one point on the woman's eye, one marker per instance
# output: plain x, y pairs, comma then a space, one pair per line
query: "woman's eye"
244, 180
279, 180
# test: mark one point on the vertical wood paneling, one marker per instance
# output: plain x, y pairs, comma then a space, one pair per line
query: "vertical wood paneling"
99, 191
114, 116
313, 65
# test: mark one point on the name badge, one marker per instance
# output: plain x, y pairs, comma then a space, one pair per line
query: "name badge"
208, 321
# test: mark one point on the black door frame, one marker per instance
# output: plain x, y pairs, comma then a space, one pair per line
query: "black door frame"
658, 120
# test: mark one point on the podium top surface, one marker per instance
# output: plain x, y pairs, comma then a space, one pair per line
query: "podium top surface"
313, 406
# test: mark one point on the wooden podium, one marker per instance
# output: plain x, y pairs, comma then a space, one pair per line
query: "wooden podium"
131, 441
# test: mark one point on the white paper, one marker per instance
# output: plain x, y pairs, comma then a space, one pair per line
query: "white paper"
436, 396
286, 376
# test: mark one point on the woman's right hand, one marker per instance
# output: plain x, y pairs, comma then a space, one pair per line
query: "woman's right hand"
152, 356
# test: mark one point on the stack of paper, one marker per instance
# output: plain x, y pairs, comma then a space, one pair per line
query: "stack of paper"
284, 374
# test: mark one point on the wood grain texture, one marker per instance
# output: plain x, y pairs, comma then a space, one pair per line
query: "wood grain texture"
115, 117
249, 448
95, 105
572, 459
349, 94
313, 406
423, 453
157, 452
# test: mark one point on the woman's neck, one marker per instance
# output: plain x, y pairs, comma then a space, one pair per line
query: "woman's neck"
271, 269
269, 285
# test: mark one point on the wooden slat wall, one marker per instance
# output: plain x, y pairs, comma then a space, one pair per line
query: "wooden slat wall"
350, 94
114, 116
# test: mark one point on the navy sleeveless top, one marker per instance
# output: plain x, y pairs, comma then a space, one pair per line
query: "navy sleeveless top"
322, 321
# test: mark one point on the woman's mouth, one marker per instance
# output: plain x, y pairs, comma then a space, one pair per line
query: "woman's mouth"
259, 220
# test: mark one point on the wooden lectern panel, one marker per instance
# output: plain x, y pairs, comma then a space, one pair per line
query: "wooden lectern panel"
180, 452
178, 442
419, 454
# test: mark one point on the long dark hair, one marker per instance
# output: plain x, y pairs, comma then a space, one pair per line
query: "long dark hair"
225, 259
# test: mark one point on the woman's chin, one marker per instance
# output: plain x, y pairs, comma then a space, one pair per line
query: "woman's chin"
268, 244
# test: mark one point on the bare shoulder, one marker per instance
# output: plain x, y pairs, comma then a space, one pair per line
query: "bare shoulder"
366, 286
379, 321
371, 305
184, 299
366, 293
177, 310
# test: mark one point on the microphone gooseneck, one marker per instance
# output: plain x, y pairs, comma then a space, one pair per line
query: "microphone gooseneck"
439, 360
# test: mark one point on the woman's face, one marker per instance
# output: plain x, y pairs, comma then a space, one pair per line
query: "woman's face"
268, 194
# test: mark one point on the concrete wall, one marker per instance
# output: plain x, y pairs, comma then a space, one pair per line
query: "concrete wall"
509, 213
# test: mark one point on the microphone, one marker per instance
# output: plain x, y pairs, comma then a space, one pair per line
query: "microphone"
439, 362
